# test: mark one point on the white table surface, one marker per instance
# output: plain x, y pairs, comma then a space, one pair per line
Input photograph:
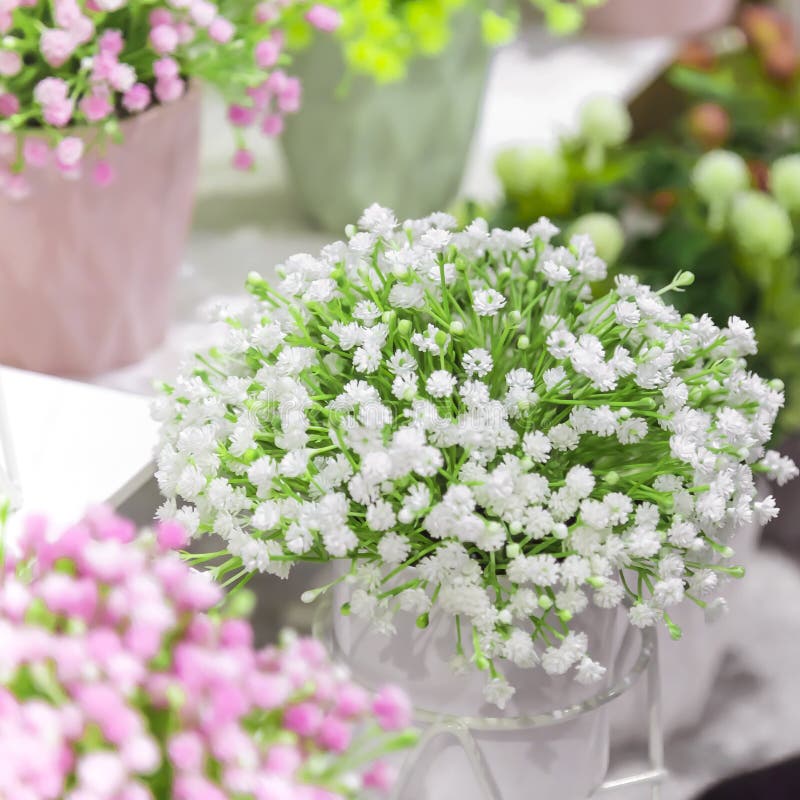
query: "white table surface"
75, 444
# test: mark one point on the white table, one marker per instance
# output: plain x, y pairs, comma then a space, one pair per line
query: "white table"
75, 444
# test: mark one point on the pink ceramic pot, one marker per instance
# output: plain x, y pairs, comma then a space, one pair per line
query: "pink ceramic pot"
86, 272
659, 17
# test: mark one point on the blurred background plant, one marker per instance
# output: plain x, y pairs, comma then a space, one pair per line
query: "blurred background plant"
380, 37
674, 196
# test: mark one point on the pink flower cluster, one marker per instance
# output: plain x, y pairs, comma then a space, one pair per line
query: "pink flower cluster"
121, 684
90, 73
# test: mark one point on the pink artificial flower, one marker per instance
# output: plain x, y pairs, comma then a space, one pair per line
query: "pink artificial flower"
304, 719
266, 12
57, 46
171, 536
186, 32
203, 12
95, 106
334, 734
392, 708
59, 113
137, 98
241, 116
272, 125
324, 18
35, 152
82, 30
111, 43
164, 39
9, 104
50, 90
66, 13
267, 52
166, 68
169, 90
186, 751
380, 776
289, 96
260, 95
160, 16
10, 63
284, 759
122, 77
103, 174
221, 30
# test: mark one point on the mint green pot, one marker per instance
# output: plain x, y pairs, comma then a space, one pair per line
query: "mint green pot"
403, 145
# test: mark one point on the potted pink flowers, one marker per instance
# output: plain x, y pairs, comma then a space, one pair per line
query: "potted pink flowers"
99, 120
120, 681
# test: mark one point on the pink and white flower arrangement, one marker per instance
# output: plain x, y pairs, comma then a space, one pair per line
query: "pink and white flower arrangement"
91, 63
119, 680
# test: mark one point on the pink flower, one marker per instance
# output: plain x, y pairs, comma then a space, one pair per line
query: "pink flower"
272, 125
103, 173
186, 751
380, 776
111, 43
304, 719
67, 12
221, 30
166, 68
137, 98
59, 113
241, 116
392, 708
203, 12
164, 39
266, 12
122, 77
35, 151
10, 63
81, 30
267, 52
289, 96
324, 18
167, 91
9, 104
186, 32
57, 46
334, 734
171, 536
284, 759
16, 186
50, 90
160, 16
95, 107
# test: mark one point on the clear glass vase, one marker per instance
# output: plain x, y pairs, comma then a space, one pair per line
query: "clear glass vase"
553, 738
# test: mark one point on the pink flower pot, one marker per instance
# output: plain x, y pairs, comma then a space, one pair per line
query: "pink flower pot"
659, 17
86, 272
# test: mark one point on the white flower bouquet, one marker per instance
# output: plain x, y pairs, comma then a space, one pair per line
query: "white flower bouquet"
452, 413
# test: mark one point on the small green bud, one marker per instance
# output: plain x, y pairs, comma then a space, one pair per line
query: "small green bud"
532, 287
497, 30
512, 550
784, 181
776, 384
457, 327
545, 603
563, 19
523, 343
440, 338
564, 615
605, 231
683, 279
526, 463
719, 175
727, 552
481, 662
241, 603
404, 327
605, 121
526, 170
515, 317
388, 316
674, 631
596, 581
515, 527
736, 572
423, 620
345, 610
760, 226
612, 478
